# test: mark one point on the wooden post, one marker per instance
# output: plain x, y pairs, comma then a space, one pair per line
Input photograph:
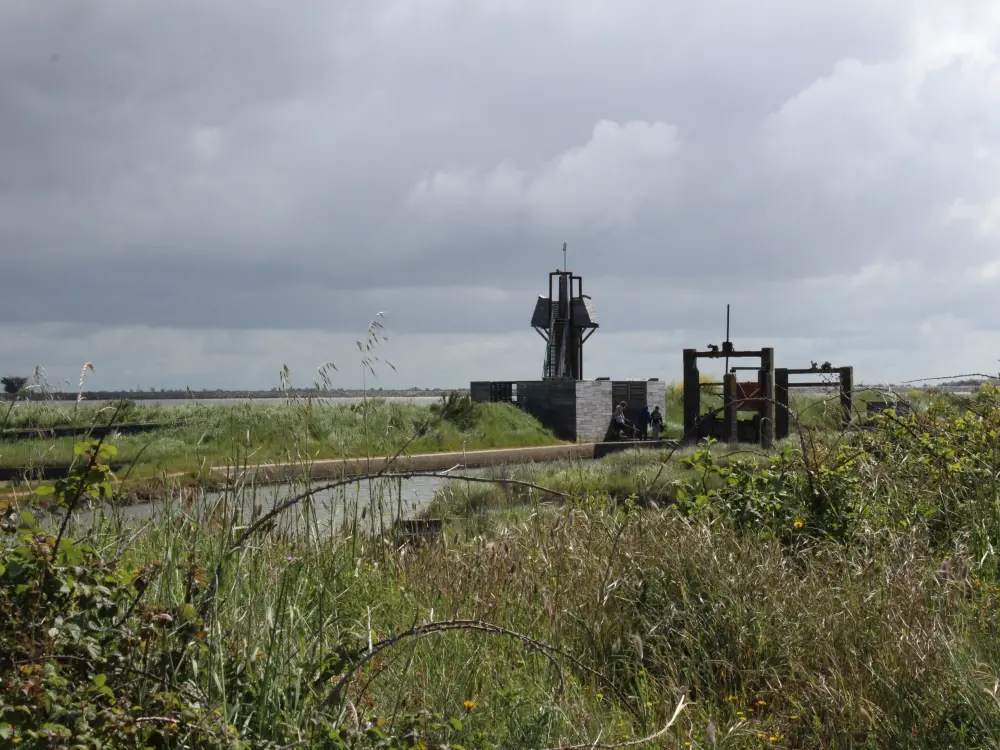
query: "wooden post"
692, 395
847, 393
730, 410
767, 409
781, 415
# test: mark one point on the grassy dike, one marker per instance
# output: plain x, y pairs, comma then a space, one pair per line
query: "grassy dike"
202, 436
838, 592
198, 437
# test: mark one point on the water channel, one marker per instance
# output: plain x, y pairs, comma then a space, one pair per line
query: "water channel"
369, 504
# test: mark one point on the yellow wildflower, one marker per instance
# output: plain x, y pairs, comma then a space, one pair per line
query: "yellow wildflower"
799, 524
470, 704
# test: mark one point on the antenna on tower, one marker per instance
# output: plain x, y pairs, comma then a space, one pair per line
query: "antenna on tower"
565, 264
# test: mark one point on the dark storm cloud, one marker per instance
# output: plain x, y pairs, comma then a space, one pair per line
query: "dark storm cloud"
244, 165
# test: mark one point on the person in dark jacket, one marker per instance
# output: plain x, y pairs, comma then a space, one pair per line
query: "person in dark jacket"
644, 423
656, 422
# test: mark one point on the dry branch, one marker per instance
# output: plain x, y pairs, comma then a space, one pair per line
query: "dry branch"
630, 743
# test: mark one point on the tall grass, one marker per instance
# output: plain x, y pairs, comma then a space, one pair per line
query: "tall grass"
779, 634
838, 591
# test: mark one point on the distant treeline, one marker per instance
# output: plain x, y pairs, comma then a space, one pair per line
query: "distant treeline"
160, 395
971, 382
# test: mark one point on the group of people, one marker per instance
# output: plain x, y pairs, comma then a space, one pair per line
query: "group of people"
647, 422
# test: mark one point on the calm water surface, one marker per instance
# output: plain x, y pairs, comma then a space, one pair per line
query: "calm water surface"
367, 503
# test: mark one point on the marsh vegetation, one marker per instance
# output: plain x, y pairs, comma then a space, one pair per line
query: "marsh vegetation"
839, 591
195, 438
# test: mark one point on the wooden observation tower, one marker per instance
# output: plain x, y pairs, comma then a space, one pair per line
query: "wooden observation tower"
565, 320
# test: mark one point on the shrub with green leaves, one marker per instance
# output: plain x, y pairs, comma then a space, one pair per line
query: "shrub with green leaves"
72, 624
457, 408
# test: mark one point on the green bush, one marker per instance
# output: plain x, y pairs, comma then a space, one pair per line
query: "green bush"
457, 408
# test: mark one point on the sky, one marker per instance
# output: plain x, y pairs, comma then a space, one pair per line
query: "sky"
197, 194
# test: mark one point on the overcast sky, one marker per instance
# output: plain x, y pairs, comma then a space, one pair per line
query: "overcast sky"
196, 193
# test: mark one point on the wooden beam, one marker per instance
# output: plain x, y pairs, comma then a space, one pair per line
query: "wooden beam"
781, 414
730, 412
811, 370
692, 394
816, 384
767, 386
847, 393
732, 355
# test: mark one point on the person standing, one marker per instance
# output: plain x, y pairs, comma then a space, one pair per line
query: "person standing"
619, 420
656, 422
644, 422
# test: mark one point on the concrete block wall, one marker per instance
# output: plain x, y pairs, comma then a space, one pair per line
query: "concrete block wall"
594, 408
577, 410
551, 402
656, 395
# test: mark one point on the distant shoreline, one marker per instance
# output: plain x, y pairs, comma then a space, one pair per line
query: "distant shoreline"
355, 393
219, 395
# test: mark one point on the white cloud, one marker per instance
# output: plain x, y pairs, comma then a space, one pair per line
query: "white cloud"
985, 217
846, 130
601, 185
984, 274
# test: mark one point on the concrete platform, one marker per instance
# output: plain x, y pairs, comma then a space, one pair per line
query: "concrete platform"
348, 467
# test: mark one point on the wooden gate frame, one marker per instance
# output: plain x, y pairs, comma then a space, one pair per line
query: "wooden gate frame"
782, 385
763, 403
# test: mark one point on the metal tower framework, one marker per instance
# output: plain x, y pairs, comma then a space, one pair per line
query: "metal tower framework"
565, 320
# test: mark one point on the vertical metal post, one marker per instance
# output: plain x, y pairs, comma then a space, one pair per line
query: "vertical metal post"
730, 413
565, 283
727, 337
781, 415
692, 395
563, 294
767, 409
847, 393
576, 332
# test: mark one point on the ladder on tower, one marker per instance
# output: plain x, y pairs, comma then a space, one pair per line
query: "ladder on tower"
563, 339
552, 363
